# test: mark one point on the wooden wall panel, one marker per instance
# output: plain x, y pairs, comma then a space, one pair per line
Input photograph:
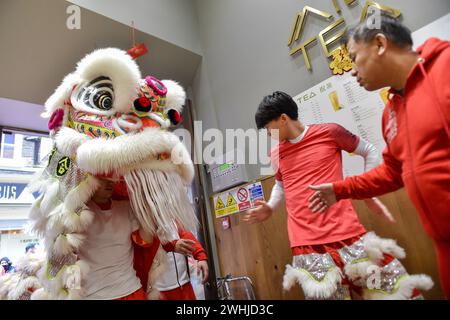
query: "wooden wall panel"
262, 251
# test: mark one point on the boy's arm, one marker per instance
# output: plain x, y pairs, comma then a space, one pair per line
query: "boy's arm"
371, 160
369, 153
263, 210
276, 196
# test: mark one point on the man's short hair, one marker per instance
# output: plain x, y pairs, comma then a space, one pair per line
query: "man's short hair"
388, 25
273, 106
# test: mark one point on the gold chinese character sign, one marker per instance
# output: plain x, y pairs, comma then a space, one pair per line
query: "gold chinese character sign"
341, 61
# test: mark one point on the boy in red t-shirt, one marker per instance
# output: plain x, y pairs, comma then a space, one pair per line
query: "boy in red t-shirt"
333, 254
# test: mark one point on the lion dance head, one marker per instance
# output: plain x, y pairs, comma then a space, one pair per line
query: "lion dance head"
106, 121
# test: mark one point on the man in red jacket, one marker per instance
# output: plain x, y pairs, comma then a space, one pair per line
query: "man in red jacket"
415, 127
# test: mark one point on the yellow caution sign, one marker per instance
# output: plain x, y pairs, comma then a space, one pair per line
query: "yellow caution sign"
219, 204
230, 200
232, 206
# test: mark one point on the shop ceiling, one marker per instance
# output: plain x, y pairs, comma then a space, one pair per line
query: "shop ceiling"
38, 50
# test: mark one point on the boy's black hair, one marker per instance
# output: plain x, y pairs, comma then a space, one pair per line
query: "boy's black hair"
273, 106
391, 27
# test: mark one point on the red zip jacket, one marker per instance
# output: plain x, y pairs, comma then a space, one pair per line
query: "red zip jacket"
416, 130
144, 253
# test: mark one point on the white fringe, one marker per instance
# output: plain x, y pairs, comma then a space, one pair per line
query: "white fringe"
22, 286
68, 140
72, 279
38, 220
50, 197
7, 283
35, 212
312, 288
52, 286
40, 294
56, 100
78, 196
376, 246
37, 228
37, 183
176, 96
62, 246
354, 271
54, 229
158, 199
405, 289
78, 222
30, 263
75, 240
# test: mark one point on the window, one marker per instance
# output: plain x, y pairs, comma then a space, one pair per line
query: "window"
21, 149
7, 145
22, 154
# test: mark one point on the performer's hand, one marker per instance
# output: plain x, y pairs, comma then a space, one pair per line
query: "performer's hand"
203, 269
185, 246
377, 207
260, 213
323, 198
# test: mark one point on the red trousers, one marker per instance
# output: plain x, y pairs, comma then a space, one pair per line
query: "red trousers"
185, 292
443, 257
137, 295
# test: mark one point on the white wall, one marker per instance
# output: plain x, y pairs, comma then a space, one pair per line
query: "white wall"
245, 52
172, 20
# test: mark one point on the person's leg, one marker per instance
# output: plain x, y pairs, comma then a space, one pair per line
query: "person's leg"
137, 295
318, 274
443, 257
372, 264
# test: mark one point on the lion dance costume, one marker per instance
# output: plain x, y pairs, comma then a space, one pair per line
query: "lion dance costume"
106, 121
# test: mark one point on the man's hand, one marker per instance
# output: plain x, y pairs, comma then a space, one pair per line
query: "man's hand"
323, 198
185, 246
377, 207
259, 214
203, 269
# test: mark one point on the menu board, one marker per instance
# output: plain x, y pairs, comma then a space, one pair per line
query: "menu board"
341, 100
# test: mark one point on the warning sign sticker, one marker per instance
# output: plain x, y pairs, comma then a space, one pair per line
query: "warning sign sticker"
242, 194
238, 199
220, 206
230, 201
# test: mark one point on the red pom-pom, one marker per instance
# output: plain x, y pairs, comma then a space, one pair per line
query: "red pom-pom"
56, 119
175, 117
144, 101
142, 104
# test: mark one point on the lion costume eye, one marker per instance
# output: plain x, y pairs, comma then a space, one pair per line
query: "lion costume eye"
97, 94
